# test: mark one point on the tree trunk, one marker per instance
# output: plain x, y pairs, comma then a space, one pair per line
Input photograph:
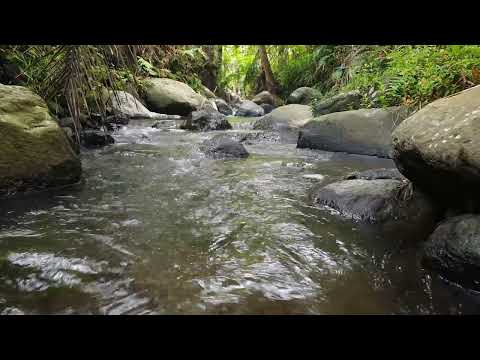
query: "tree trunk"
209, 75
271, 83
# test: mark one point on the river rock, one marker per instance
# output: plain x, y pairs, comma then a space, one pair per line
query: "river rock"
453, 249
374, 174
206, 92
205, 120
364, 131
438, 148
171, 97
125, 105
223, 107
35, 153
267, 108
256, 137
341, 102
223, 147
303, 95
266, 97
95, 138
378, 201
288, 116
249, 108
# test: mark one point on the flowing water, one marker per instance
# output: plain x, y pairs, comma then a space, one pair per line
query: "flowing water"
157, 228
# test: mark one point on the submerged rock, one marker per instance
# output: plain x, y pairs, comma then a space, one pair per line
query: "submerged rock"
223, 147
364, 131
205, 120
249, 108
95, 138
438, 148
171, 97
453, 250
35, 153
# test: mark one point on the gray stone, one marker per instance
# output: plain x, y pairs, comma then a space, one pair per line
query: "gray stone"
378, 201
171, 97
223, 147
303, 95
453, 250
438, 148
364, 131
341, 102
249, 108
205, 120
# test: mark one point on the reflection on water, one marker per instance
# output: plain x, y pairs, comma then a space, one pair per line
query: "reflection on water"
157, 228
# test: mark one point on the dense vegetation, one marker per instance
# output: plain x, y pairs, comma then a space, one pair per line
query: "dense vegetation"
385, 75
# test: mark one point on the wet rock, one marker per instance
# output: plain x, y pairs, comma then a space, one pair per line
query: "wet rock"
453, 250
266, 97
249, 108
95, 138
35, 153
341, 102
303, 95
223, 147
256, 137
223, 107
438, 148
375, 174
267, 108
378, 201
169, 96
206, 120
284, 117
364, 131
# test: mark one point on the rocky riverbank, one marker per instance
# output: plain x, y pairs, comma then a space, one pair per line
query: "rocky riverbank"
435, 189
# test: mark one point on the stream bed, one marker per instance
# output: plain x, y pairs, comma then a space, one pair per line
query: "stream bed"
157, 228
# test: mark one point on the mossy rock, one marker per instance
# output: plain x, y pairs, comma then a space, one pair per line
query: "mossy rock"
172, 97
34, 151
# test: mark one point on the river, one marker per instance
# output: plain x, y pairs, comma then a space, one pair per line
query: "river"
157, 228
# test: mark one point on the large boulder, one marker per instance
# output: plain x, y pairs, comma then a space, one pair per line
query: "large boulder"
207, 92
35, 153
223, 107
438, 148
249, 108
266, 97
285, 119
341, 102
364, 131
303, 95
453, 249
171, 97
379, 201
126, 105
223, 147
205, 120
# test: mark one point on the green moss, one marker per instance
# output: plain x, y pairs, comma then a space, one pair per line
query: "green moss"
33, 148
